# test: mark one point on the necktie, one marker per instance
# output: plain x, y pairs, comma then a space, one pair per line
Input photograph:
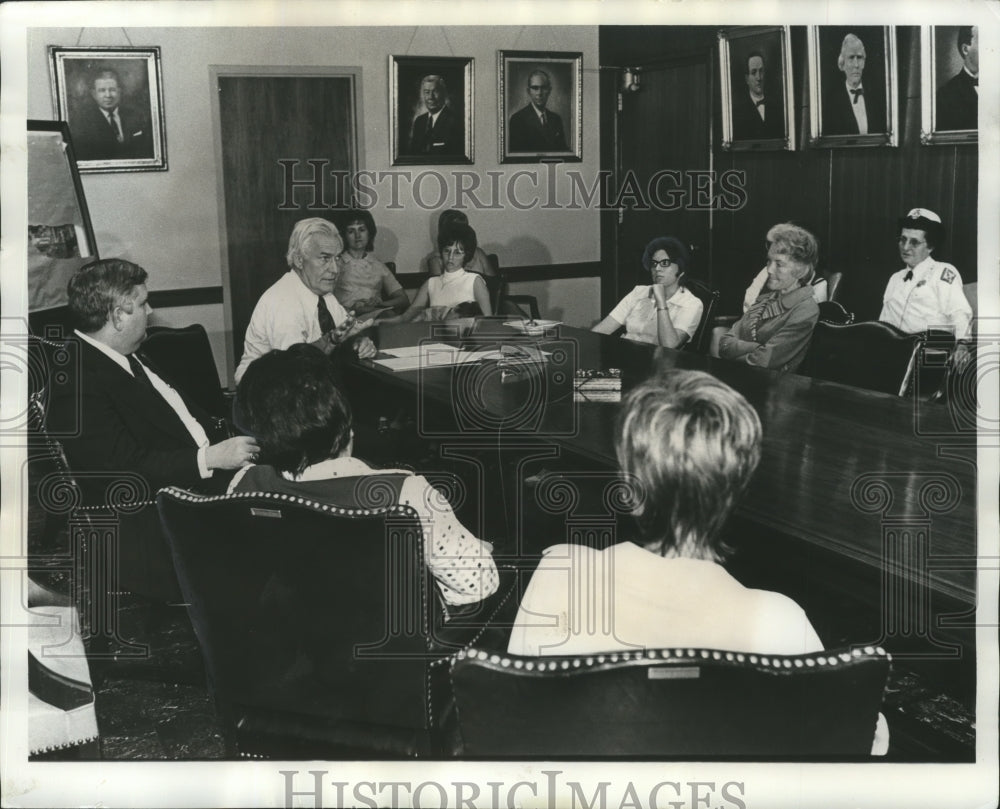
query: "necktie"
858, 92
139, 372
760, 103
325, 318
544, 119
975, 81
908, 276
115, 125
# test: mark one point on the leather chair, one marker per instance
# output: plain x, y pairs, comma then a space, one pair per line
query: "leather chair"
185, 355
321, 627
833, 280
871, 355
833, 312
676, 703
504, 303
709, 299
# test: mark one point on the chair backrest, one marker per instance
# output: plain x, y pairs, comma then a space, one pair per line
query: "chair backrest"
833, 312
972, 296
185, 355
391, 265
314, 620
670, 702
870, 355
709, 299
833, 280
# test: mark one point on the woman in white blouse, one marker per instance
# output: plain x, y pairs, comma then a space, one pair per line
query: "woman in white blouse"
664, 313
456, 289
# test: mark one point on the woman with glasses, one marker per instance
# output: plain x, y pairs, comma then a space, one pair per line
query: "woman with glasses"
663, 313
456, 291
775, 331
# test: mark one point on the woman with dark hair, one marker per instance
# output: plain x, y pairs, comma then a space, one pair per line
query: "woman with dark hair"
664, 313
478, 263
365, 283
289, 400
775, 331
456, 291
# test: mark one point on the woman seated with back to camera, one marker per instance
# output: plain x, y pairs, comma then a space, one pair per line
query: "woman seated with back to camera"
290, 402
775, 331
663, 313
365, 283
688, 445
456, 292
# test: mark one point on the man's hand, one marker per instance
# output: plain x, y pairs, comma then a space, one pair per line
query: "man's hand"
365, 348
232, 453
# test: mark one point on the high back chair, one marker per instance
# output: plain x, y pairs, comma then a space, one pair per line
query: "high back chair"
675, 703
709, 299
871, 355
320, 626
504, 303
185, 356
833, 312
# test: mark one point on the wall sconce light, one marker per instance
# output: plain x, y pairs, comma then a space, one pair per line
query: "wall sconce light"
631, 78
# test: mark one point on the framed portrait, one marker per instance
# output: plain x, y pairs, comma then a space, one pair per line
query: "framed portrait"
756, 88
112, 99
949, 84
540, 97
853, 87
431, 108
60, 235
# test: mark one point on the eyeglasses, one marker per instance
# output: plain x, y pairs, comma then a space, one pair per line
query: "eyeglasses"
905, 242
538, 87
663, 262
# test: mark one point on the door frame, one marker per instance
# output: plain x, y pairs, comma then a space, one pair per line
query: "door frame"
216, 72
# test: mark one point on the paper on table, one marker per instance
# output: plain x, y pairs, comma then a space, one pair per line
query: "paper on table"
432, 355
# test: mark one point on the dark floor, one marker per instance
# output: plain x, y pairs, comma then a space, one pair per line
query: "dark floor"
156, 707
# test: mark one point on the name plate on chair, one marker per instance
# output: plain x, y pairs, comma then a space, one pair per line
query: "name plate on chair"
673, 672
266, 512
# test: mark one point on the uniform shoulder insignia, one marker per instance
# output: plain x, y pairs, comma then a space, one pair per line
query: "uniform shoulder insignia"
947, 275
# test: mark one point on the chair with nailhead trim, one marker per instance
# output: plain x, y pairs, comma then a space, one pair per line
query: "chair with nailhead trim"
323, 632
668, 703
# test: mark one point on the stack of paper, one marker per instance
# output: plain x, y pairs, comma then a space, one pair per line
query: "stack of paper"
592, 385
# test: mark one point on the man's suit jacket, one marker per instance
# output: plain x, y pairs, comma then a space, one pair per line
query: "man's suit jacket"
125, 430
95, 139
958, 103
528, 135
838, 115
747, 124
444, 138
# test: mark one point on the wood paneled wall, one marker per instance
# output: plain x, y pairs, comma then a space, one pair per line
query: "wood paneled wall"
850, 198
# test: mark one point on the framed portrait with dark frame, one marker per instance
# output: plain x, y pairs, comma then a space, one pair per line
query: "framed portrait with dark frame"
853, 89
112, 100
540, 97
949, 84
431, 107
756, 88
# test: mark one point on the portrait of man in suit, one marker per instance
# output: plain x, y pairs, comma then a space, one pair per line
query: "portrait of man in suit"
758, 102
105, 126
851, 105
534, 127
958, 97
438, 130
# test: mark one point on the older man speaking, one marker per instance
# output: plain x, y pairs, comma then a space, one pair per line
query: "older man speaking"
300, 307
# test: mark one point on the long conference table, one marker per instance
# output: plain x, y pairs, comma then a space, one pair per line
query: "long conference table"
878, 484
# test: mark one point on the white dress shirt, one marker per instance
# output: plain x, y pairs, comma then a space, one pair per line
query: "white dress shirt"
286, 314
637, 313
932, 299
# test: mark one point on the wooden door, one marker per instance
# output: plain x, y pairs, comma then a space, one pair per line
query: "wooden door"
665, 127
284, 141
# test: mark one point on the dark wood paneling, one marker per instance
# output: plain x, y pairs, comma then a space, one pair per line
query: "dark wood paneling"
849, 198
171, 298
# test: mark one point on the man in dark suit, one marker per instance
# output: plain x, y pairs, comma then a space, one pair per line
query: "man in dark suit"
755, 116
437, 131
853, 108
533, 128
123, 420
958, 98
106, 130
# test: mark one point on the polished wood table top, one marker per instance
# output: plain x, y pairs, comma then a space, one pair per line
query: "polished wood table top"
870, 476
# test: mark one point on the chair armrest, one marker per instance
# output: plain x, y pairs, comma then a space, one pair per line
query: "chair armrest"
524, 300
